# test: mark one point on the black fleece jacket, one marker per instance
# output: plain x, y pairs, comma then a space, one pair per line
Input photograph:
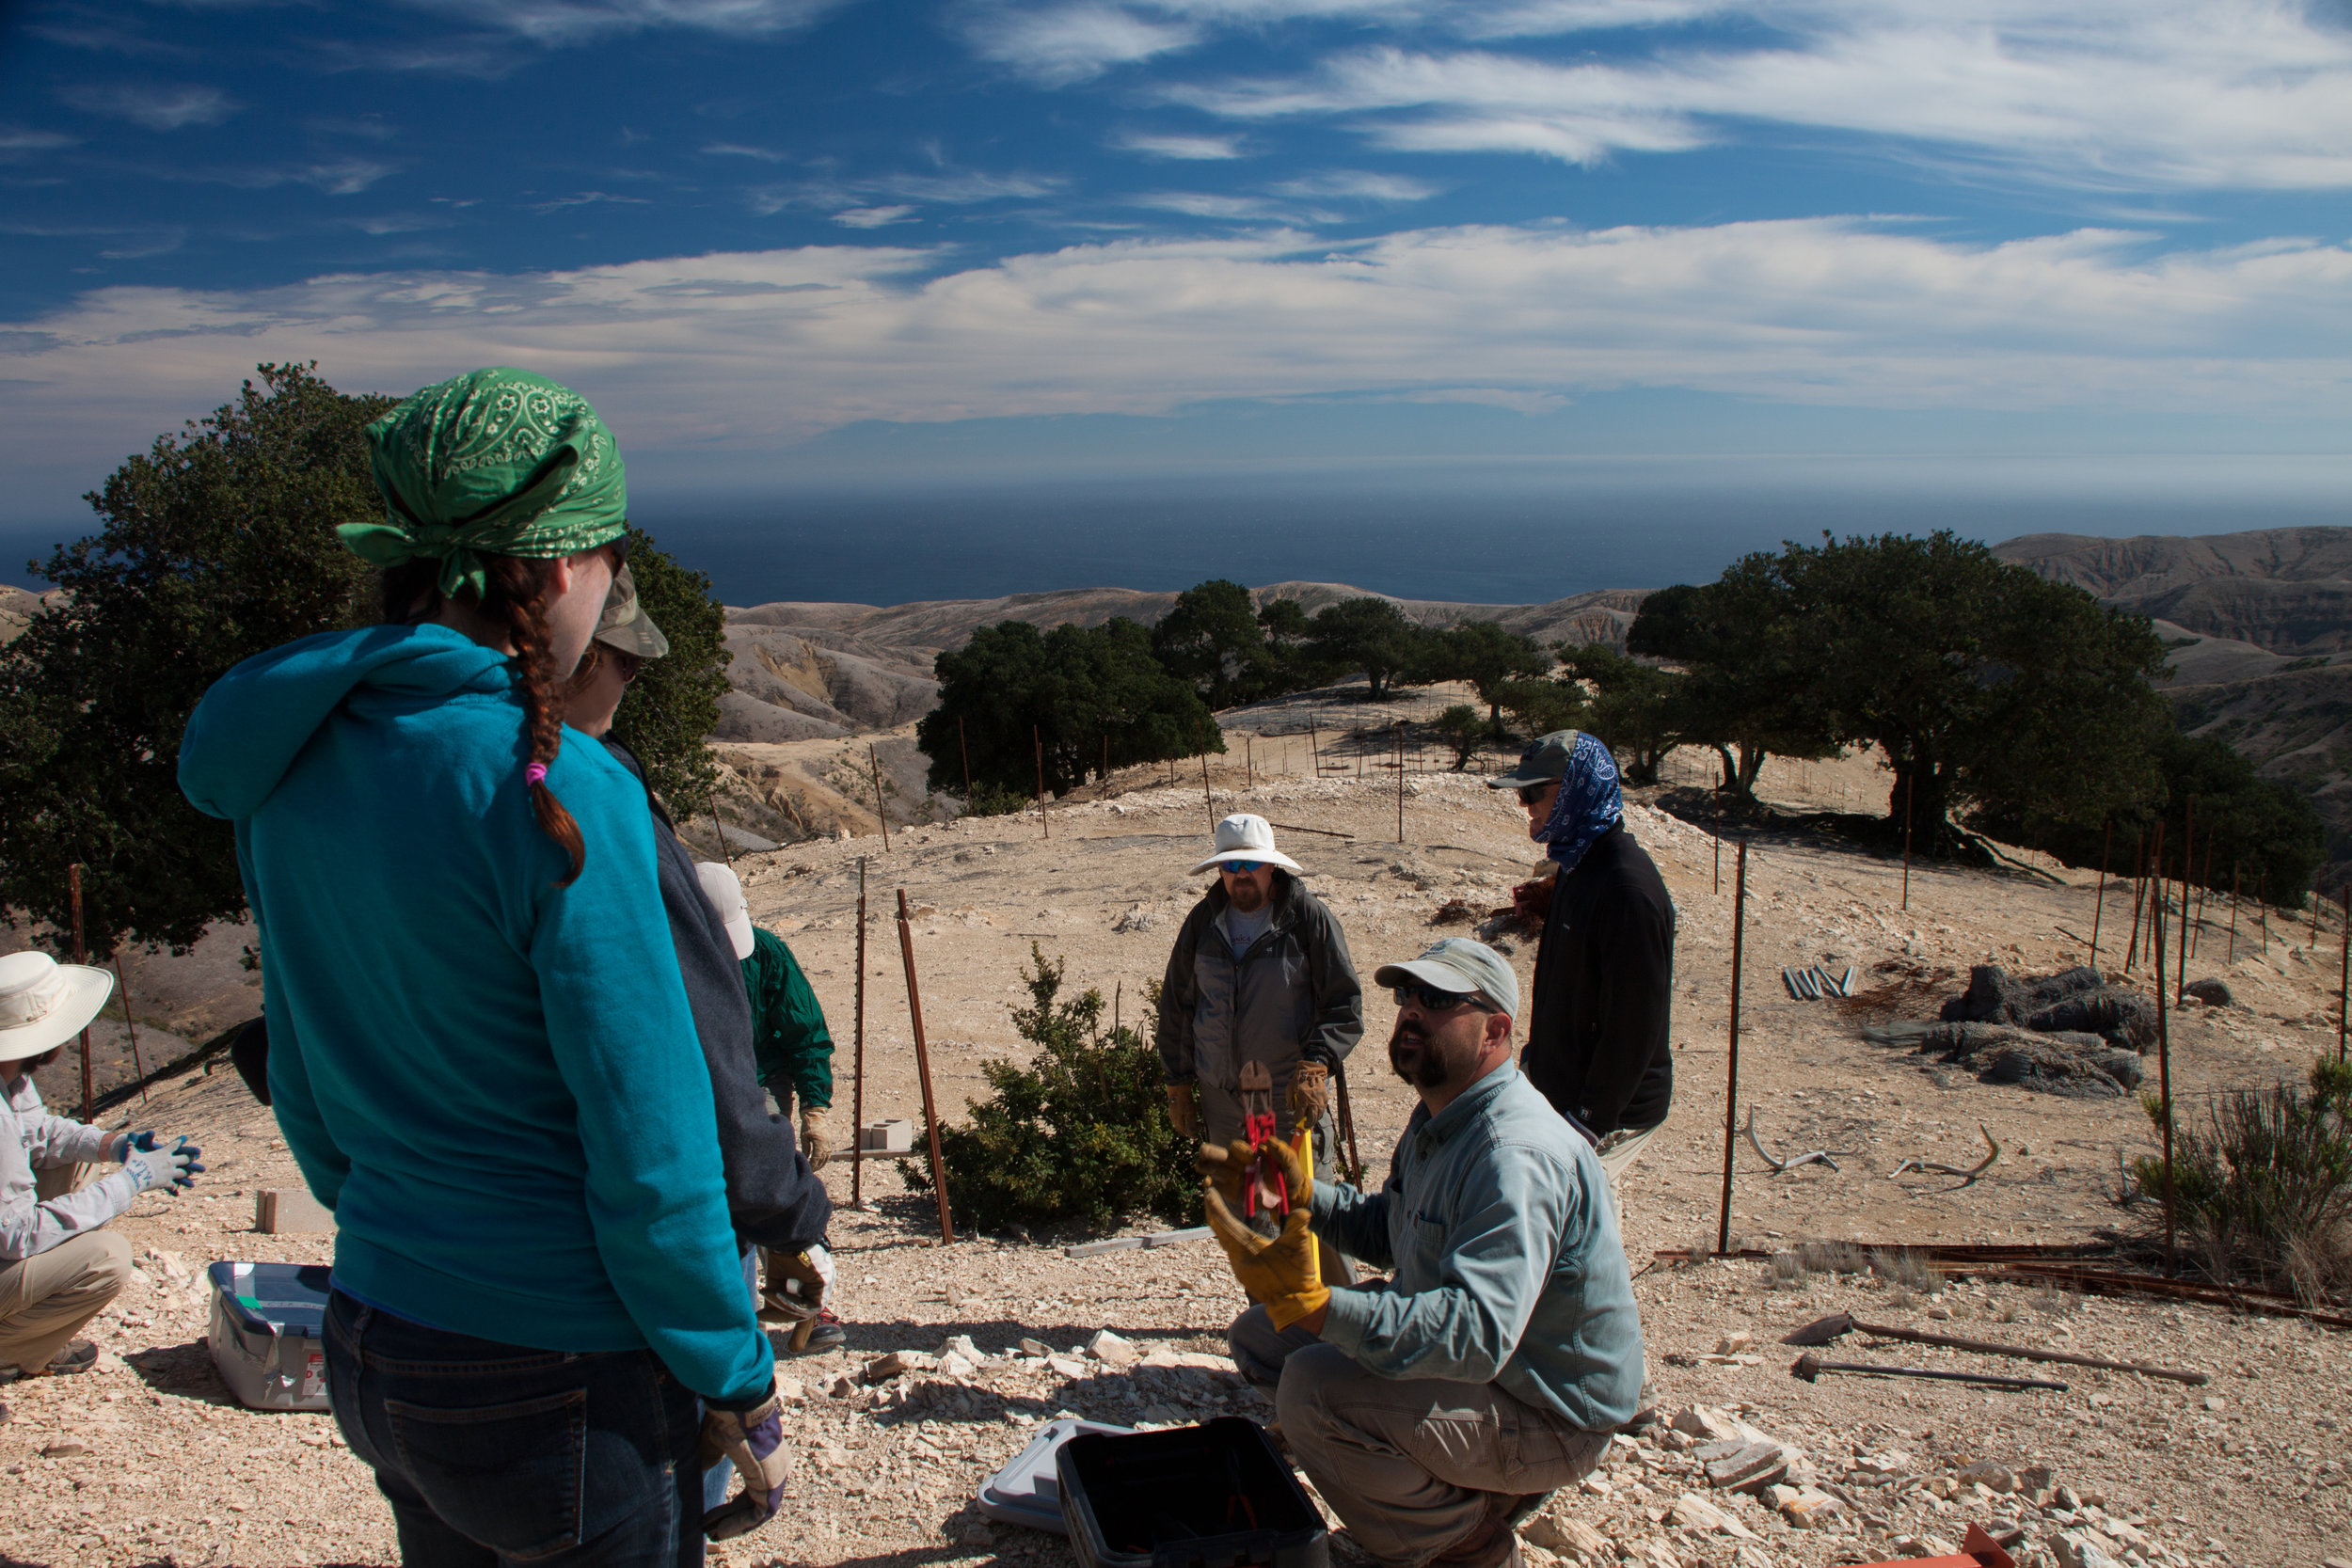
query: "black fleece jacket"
774, 1198
1596, 1029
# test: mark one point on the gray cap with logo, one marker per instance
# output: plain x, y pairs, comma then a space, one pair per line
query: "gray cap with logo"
624, 624
1458, 965
1543, 762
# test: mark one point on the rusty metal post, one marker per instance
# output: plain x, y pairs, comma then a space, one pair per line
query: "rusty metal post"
2262, 911
1207, 800
2140, 866
857, 1071
2189, 855
923, 1068
881, 815
964, 747
2234, 873
1731, 1085
2343, 990
1907, 792
1400, 781
74, 885
123, 984
2164, 1074
2099, 903
2205, 891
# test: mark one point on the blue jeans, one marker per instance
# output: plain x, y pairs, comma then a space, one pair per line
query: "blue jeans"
493, 1455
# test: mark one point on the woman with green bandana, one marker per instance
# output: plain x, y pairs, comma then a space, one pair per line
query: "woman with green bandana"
482, 1055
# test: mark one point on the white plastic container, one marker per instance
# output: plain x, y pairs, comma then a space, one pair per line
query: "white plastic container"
268, 1331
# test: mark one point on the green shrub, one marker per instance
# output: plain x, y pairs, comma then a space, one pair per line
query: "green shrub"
990, 800
1080, 1132
2263, 1187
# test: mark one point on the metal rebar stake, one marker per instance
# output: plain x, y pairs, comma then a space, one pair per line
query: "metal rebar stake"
923, 1069
1731, 1089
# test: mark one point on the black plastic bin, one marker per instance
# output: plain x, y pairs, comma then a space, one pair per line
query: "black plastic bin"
1213, 1495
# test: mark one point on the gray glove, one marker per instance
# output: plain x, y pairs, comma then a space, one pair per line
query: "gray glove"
754, 1439
168, 1168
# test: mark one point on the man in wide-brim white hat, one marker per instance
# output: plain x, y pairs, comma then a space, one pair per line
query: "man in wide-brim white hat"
58, 1268
1260, 973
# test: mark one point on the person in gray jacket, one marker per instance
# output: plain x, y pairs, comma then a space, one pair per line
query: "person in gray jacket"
1436, 1409
57, 1267
1260, 973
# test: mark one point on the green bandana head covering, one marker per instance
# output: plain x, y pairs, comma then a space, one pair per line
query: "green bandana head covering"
495, 462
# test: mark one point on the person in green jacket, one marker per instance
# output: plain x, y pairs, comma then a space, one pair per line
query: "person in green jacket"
791, 1048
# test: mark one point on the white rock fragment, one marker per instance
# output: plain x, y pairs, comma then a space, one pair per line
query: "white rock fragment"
1112, 1351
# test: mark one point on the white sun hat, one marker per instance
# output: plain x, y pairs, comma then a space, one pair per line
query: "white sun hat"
1243, 837
725, 890
45, 1004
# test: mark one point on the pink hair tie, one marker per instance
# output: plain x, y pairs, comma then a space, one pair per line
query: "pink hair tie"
535, 773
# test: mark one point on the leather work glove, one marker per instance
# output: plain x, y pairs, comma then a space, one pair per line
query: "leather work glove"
813, 1143
800, 1282
754, 1439
1309, 1094
1532, 902
1222, 1166
1183, 1109
167, 1168
1284, 1274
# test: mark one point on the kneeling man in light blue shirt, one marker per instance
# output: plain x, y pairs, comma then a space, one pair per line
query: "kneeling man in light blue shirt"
1435, 1408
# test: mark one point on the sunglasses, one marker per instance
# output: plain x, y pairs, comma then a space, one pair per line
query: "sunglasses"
1530, 794
1431, 1000
627, 664
1242, 868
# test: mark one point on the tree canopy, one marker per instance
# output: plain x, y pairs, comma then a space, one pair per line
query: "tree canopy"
1013, 687
1214, 639
216, 544
1486, 657
1371, 635
1747, 695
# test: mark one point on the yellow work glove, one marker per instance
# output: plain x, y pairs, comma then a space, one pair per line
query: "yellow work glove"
1283, 1273
1183, 1109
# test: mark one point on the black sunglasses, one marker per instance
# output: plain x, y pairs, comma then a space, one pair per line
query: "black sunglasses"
1530, 794
1431, 1000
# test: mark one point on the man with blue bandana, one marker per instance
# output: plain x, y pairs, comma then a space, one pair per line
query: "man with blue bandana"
1597, 1032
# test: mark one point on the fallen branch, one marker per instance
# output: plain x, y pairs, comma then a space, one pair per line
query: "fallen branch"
1782, 1165
1967, 1175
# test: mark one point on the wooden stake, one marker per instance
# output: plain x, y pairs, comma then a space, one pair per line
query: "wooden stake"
74, 885
1043, 826
2099, 902
857, 1071
923, 1067
2139, 865
2164, 1067
1731, 1084
1400, 781
2188, 846
874, 758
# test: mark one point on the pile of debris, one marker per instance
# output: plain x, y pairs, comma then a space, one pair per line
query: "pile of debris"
2070, 1034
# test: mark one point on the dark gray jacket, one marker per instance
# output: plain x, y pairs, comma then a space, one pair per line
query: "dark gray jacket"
1294, 994
774, 1198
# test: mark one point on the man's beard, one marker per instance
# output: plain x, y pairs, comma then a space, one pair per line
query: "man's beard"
1246, 896
1419, 1059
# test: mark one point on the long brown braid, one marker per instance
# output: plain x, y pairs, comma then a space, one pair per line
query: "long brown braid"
517, 596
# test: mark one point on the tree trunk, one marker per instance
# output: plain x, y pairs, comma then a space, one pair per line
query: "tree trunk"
1731, 769
1751, 765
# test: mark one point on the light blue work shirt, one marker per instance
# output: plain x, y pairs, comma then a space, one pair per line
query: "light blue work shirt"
1497, 1224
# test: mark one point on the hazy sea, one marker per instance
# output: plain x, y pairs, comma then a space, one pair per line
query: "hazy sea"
1490, 532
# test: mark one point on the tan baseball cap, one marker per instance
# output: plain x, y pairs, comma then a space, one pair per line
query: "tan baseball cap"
624, 624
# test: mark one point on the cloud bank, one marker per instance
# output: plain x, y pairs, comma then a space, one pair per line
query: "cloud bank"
757, 351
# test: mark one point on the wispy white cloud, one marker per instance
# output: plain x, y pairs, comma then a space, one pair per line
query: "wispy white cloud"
873, 217
752, 350
1171, 145
560, 23
585, 198
1063, 43
947, 188
1357, 184
17, 143
166, 106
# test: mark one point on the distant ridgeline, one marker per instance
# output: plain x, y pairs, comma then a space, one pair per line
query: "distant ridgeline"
2260, 626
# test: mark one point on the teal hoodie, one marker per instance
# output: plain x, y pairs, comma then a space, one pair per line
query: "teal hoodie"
492, 1080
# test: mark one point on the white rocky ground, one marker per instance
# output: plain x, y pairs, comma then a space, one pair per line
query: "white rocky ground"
2246, 1471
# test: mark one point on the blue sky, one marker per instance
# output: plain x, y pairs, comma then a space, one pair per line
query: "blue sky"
776, 238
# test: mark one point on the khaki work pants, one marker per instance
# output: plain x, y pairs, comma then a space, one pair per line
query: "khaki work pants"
46, 1298
1617, 1158
1415, 1467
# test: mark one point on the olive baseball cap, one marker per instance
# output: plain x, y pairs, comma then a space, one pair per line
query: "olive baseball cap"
1545, 761
624, 624
1459, 964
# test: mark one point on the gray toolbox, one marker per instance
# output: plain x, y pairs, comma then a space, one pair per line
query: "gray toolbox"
268, 1333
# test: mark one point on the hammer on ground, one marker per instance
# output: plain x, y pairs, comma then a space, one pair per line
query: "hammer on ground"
1824, 1330
1810, 1367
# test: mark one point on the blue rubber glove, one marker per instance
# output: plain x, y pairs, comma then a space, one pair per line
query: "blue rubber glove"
167, 1168
130, 1143
754, 1439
